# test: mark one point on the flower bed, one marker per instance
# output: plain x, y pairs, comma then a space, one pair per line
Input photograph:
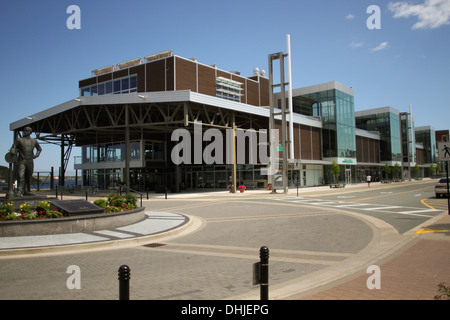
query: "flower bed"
116, 203
26, 212
42, 210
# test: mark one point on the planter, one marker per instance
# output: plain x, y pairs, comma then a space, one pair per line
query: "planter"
242, 190
84, 223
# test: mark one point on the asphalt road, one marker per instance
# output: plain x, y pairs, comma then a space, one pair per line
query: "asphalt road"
403, 205
314, 238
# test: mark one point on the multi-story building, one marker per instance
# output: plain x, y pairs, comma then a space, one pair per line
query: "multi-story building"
126, 114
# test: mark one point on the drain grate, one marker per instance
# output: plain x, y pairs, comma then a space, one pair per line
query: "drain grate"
153, 245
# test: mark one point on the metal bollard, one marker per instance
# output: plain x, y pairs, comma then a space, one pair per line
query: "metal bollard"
124, 283
264, 283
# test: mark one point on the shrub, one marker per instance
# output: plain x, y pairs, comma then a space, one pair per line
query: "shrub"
111, 209
130, 199
25, 209
11, 216
42, 208
128, 206
7, 209
444, 292
115, 200
29, 216
52, 214
102, 203
26, 212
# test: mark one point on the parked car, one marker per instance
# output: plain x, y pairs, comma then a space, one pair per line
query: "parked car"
440, 189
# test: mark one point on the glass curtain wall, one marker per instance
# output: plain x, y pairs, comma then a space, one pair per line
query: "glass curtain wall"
388, 125
428, 138
337, 112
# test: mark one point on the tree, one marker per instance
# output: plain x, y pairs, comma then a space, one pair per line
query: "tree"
432, 168
335, 170
396, 170
415, 171
387, 171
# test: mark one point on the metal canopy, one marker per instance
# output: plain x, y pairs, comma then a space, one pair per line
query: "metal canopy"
103, 118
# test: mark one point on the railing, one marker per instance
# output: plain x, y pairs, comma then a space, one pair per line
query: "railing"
124, 188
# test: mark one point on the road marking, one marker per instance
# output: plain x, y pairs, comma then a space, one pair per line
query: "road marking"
435, 203
381, 208
367, 206
424, 210
282, 255
425, 230
349, 205
390, 194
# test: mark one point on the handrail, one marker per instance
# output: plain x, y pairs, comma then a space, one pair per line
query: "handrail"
132, 190
129, 189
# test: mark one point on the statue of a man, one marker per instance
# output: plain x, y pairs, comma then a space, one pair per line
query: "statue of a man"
23, 150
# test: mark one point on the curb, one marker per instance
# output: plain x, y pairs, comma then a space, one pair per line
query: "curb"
191, 224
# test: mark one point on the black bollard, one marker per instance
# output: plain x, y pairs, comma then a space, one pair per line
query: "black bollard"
124, 283
264, 282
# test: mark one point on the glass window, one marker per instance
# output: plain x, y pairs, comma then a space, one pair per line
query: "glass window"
116, 86
133, 82
125, 83
154, 150
85, 91
135, 150
228, 89
94, 91
108, 87
101, 89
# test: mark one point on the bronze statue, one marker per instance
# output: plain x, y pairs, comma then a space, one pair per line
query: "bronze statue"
22, 153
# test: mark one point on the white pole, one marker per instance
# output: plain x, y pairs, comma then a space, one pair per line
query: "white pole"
291, 115
412, 135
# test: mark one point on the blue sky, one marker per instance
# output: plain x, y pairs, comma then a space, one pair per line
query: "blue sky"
405, 62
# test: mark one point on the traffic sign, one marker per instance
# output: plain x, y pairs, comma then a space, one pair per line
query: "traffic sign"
444, 151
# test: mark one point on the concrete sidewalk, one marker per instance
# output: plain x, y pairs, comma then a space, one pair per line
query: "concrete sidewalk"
156, 225
411, 273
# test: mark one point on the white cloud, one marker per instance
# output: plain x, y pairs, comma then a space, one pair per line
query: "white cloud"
349, 17
356, 44
381, 46
431, 14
